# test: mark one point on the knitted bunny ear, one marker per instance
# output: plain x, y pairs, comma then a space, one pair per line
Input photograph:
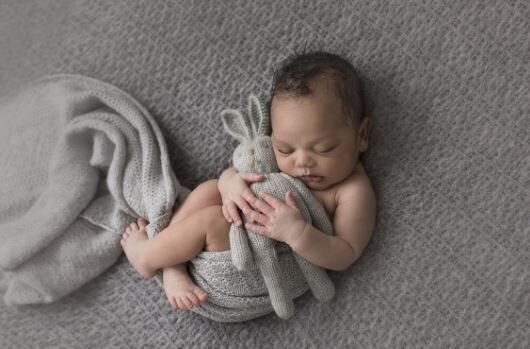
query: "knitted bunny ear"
234, 124
259, 119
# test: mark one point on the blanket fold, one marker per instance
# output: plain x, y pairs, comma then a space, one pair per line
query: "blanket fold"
80, 160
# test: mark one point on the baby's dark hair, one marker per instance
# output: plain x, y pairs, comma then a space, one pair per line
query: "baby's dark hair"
292, 79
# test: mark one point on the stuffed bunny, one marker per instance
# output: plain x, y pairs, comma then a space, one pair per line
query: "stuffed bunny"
255, 154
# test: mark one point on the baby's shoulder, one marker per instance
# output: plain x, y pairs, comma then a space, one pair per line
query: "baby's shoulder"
357, 186
353, 191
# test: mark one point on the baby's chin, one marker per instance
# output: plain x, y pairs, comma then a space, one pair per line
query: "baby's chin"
316, 185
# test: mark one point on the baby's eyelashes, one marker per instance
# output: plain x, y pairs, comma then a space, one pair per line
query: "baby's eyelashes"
319, 148
285, 151
327, 150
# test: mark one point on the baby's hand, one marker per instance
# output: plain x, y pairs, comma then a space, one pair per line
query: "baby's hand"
235, 192
275, 219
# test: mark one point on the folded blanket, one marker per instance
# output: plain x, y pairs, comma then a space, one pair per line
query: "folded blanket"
80, 160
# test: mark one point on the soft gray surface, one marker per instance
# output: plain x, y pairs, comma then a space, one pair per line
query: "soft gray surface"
447, 87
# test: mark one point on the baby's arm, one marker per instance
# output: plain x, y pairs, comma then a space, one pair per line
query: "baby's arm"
353, 225
234, 188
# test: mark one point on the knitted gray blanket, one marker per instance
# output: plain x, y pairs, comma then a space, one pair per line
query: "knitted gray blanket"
80, 160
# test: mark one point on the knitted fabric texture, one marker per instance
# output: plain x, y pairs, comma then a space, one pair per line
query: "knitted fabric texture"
259, 274
97, 162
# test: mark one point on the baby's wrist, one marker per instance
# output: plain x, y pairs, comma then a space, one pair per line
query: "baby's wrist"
297, 234
226, 175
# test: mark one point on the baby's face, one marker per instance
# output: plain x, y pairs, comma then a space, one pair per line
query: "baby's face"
311, 140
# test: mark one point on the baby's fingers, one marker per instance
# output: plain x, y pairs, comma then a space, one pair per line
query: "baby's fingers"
233, 215
226, 214
252, 177
243, 201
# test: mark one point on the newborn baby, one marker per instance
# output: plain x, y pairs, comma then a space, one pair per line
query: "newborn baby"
318, 133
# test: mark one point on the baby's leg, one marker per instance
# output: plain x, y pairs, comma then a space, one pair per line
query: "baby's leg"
176, 244
180, 290
204, 195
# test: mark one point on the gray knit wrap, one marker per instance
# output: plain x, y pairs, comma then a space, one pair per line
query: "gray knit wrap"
259, 275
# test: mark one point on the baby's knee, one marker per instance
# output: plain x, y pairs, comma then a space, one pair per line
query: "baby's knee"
209, 192
212, 216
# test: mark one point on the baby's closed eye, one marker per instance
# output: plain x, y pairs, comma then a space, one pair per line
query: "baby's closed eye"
285, 151
325, 149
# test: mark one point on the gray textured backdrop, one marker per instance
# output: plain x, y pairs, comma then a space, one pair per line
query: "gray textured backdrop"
447, 85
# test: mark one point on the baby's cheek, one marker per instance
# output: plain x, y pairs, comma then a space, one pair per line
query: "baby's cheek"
334, 165
283, 164
346, 165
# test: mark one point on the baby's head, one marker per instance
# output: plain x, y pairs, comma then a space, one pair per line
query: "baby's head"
318, 126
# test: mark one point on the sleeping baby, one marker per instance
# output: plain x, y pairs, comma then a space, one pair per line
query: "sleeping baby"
318, 133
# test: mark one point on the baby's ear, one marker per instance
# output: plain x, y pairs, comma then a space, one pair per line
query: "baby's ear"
258, 116
235, 125
365, 128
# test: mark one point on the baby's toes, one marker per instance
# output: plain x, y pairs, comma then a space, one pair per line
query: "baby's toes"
173, 302
183, 302
180, 303
142, 223
193, 299
133, 226
200, 294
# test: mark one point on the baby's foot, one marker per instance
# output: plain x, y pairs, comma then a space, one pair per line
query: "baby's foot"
181, 292
134, 240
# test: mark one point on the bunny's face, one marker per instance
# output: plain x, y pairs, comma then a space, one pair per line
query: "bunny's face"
255, 156
254, 152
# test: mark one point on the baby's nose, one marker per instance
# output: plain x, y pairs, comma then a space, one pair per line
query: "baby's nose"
303, 160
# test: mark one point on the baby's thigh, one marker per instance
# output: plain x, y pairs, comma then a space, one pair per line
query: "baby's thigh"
205, 195
217, 229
